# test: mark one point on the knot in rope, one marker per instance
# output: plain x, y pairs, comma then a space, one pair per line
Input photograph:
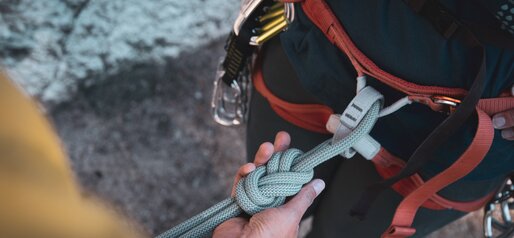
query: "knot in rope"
269, 185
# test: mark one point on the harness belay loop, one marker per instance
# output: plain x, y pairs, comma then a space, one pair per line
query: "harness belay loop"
269, 185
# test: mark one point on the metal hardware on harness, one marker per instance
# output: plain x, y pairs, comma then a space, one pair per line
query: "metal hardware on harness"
229, 104
257, 22
451, 103
231, 85
247, 8
503, 201
273, 12
276, 19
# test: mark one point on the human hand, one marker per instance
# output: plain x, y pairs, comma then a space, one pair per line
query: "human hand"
281, 221
504, 121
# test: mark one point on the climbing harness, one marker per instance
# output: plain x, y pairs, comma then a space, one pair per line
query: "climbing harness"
503, 201
286, 172
257, 22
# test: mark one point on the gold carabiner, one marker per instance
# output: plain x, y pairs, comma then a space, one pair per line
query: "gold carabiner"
275, 20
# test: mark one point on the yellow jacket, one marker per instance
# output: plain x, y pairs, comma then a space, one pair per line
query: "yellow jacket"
38, 193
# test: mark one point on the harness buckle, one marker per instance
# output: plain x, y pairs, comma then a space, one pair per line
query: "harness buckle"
352, 116
449, 104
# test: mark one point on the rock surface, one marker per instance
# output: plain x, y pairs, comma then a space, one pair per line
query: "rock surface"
52, 47
144, 141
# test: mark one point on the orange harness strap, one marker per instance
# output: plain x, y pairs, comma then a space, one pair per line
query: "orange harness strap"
388, 165
323, 17
406, 211
311, 117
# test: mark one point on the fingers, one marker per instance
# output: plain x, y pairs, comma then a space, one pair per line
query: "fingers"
230, 228
243, 171
282, 141
508, 134
263, 154
504, 120
301, 201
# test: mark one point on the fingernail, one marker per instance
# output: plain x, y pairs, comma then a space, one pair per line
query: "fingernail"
508, 134
498, 122
250, 167
318, 186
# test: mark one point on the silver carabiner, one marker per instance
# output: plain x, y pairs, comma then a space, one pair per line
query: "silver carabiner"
247, 8
229, 103
289, 12
502, 202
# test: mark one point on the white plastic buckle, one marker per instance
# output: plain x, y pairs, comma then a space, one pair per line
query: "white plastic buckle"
344, 124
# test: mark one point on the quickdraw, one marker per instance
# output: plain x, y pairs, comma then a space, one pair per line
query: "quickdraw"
257, 22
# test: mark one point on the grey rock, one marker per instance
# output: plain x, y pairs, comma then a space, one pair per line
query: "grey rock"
52, 47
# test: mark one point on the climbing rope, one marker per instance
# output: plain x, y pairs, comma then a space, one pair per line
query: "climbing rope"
269, 185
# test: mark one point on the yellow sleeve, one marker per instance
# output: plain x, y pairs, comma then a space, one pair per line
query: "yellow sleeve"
38, 194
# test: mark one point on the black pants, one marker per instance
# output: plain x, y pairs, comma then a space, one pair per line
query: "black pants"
345, 179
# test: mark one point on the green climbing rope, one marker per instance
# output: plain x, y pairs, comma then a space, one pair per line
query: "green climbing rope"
269, 185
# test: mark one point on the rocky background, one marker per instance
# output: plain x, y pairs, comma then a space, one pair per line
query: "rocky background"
53, 46
127, 84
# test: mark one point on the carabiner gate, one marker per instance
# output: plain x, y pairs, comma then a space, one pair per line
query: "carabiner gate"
502, 202
229, 103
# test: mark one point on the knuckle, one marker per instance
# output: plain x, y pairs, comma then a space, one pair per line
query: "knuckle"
309, 194
508, 134
257, 226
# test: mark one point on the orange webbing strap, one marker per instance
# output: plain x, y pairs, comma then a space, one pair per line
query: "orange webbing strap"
406, 211
312, 117
323, 17
388, 165
493, 106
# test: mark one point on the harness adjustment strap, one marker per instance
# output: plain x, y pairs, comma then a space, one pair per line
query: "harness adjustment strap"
399, 232
475, 153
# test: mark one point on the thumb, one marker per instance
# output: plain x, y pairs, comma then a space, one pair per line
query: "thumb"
301, 201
